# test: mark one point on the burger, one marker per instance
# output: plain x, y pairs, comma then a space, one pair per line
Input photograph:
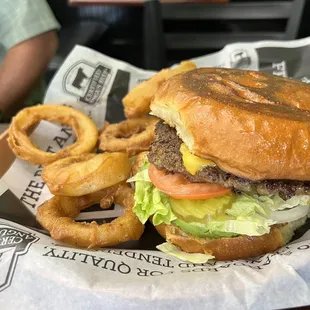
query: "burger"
228, 174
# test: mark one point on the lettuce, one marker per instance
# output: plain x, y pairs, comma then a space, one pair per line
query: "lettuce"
247, 215
229, 228
276, 203
196, 258
149, 201
249, 218
142, 175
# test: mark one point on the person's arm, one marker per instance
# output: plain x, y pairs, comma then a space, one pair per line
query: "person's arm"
22, 68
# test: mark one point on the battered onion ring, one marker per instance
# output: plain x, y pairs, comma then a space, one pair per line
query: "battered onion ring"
21, 145
131, 136
85, 174
138, 163
56, 214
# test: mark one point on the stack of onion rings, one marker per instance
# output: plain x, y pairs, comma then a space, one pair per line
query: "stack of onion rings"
80, 179
85, 174
84, 128
131, 136
56, 214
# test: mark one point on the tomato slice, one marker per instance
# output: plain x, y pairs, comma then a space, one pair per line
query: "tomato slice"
176, 186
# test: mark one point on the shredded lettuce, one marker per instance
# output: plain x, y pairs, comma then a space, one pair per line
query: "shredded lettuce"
249, 218
196, 258
229, 228
276, 203
246, 206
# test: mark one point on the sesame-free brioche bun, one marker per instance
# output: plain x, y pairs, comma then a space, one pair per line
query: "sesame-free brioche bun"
251, 124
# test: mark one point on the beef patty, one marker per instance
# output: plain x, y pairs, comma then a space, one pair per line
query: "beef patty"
165, 154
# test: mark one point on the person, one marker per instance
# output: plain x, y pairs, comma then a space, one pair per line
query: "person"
28, 41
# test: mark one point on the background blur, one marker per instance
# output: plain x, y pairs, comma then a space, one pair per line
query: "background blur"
155, 34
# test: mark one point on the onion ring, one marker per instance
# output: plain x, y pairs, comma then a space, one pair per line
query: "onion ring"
131, 136
82, 125
85, 174
138, 163
56, 214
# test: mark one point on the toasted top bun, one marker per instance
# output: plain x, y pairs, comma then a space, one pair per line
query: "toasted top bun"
252, 124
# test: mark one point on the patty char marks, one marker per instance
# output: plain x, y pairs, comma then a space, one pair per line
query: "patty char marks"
165, 154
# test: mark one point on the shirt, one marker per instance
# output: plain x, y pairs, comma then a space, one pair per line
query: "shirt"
21, 20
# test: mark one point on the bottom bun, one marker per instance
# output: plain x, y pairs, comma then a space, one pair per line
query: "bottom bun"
235, 247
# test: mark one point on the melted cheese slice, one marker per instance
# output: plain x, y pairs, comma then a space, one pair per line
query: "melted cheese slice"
192, 162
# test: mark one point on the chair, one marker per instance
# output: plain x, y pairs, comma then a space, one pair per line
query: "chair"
181, 28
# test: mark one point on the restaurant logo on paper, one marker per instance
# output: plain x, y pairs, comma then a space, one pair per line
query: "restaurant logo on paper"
13, 243
87, 81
